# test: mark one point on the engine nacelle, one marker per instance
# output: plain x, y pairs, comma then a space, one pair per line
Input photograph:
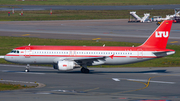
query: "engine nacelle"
65, 65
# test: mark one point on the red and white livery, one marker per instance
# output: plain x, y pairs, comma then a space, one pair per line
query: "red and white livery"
70, 57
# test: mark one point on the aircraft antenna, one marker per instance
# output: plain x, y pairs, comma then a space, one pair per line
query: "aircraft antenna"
104, 45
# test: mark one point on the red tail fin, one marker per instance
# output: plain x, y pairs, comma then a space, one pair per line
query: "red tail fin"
159, 37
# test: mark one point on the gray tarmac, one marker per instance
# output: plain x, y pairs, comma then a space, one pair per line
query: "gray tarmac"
101, 84
124, 84
91, 7
107, 30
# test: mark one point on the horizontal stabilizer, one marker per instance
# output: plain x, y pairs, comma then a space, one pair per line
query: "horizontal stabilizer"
160, 54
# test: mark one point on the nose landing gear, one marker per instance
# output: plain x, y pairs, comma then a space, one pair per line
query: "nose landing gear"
27, 68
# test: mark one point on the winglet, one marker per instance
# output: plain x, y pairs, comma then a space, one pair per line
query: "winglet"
159, 37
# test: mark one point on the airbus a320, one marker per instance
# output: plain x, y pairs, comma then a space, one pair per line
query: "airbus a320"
70, 57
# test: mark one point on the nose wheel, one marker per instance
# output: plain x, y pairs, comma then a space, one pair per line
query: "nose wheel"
27, 68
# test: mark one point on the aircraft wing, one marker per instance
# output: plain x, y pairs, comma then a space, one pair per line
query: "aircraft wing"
90, 60
86, 59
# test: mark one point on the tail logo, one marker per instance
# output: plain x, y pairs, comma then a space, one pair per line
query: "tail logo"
160, 34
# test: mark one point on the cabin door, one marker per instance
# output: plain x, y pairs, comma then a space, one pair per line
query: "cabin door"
27, 52
139, 53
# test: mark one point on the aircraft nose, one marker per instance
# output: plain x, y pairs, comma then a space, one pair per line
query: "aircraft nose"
6, 57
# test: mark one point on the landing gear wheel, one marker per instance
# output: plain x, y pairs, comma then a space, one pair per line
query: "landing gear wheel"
27, 70
84, 70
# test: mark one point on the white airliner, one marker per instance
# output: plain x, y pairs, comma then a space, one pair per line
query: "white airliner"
70, 57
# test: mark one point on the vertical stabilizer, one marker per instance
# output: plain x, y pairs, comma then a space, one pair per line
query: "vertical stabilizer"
159, 37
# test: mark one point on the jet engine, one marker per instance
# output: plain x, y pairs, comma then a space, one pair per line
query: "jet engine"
65, 65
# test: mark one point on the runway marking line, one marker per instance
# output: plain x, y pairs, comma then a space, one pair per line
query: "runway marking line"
8, 71
91, 89
25, 35
174, 42
30, 73
96, 38
146, 84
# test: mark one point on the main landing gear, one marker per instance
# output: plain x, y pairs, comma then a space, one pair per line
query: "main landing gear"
84, 70
27, 68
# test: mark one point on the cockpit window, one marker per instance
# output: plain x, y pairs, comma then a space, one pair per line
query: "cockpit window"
14, 51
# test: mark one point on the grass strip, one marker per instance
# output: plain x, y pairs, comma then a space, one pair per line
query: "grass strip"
8, 86
88, 2
9, 43
78, 14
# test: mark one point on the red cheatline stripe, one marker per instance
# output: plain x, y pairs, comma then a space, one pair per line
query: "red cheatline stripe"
82, 56
88, 48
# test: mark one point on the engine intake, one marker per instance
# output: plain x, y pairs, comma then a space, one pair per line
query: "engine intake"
65, 65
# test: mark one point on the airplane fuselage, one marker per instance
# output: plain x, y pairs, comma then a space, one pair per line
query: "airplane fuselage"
114, 55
